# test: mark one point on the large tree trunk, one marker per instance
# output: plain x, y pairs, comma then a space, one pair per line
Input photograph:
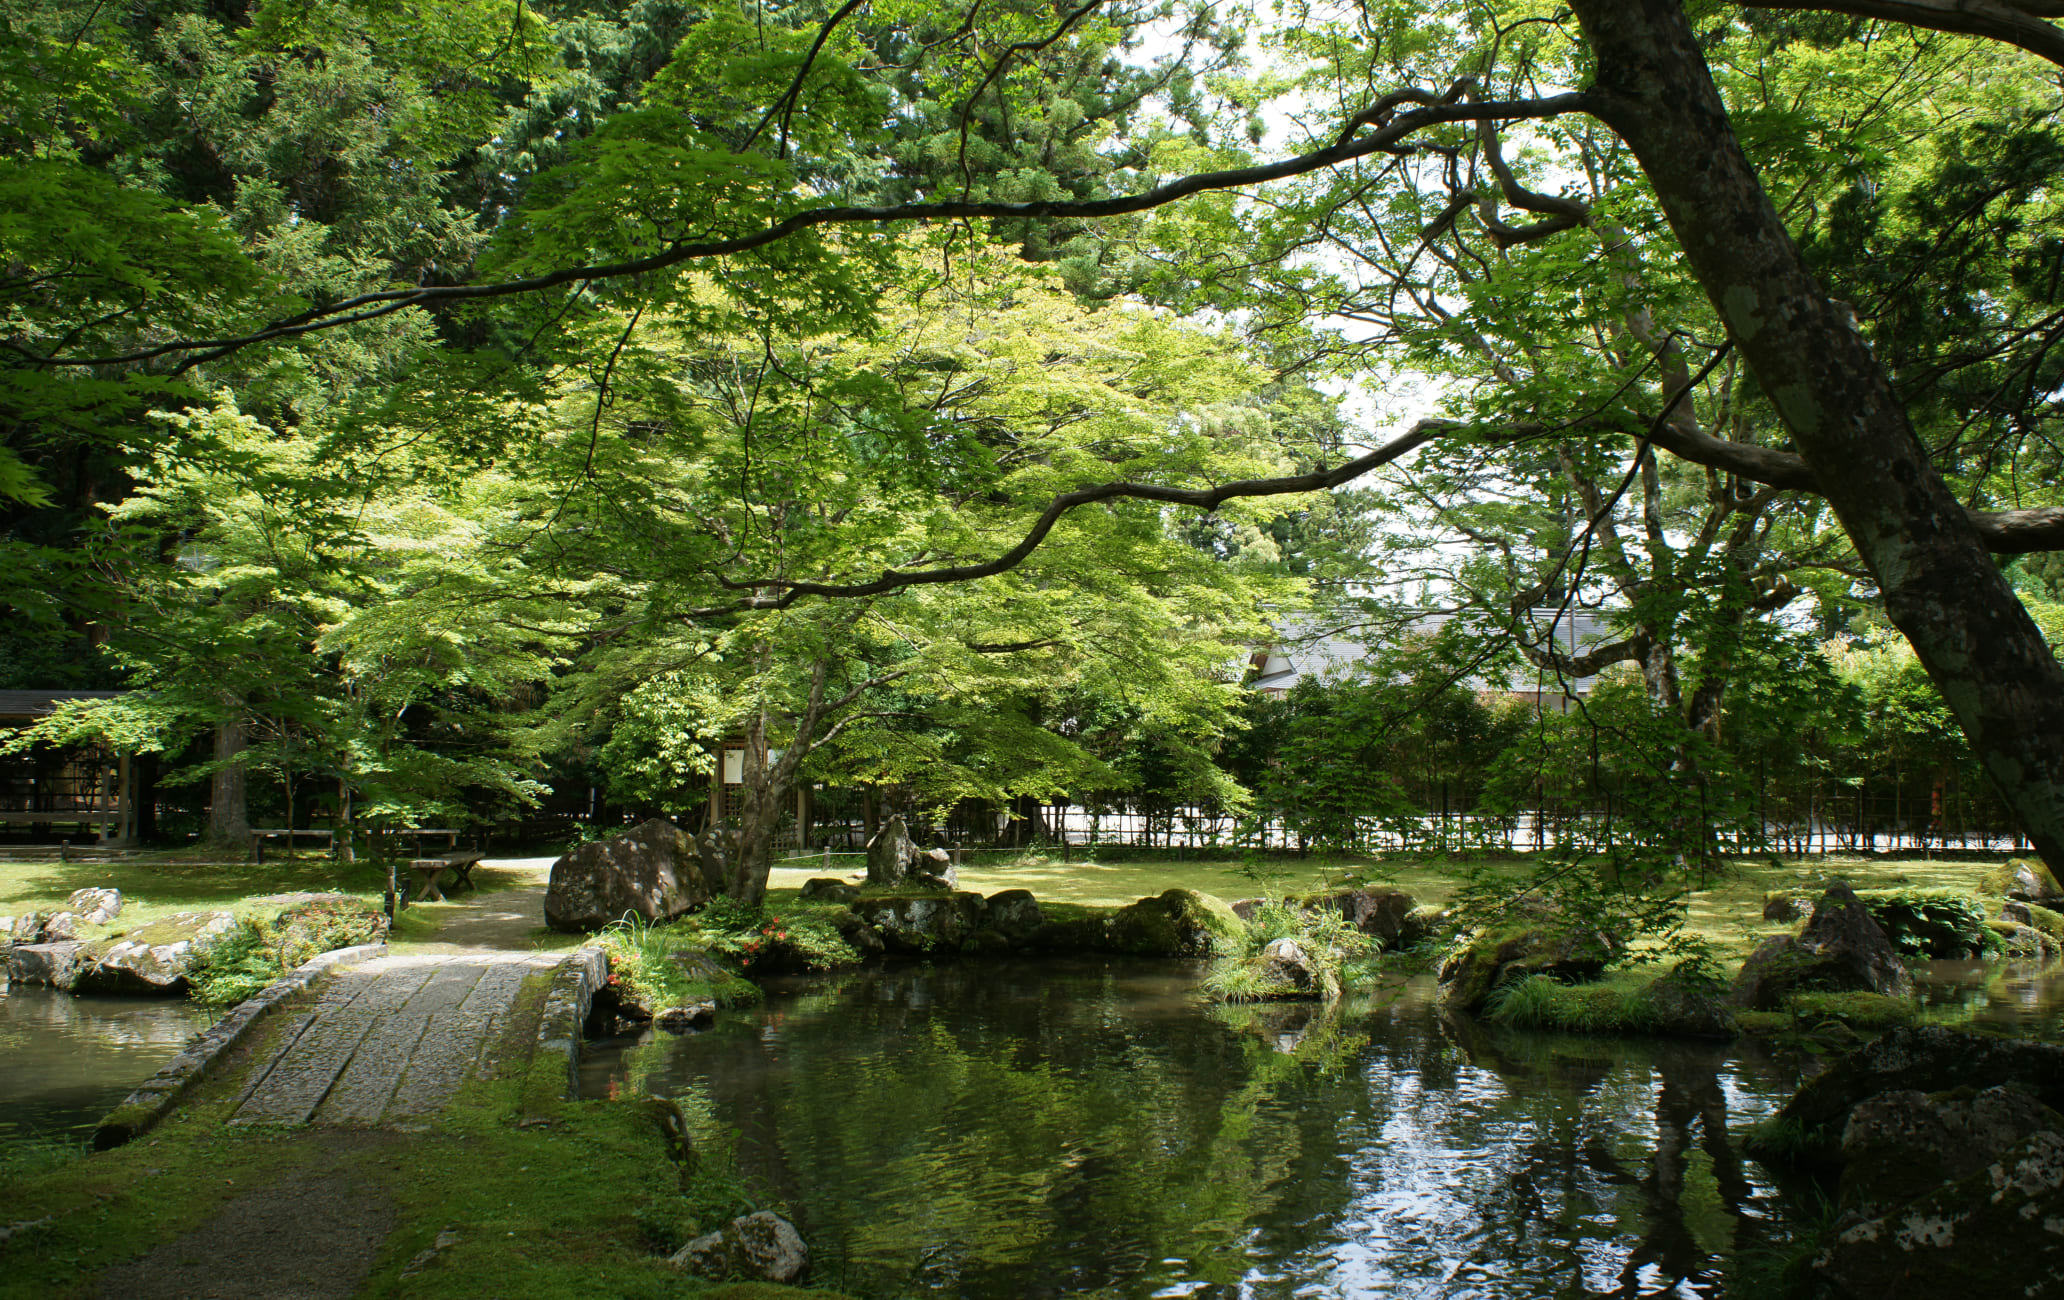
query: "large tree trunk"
1940, 586
229, 824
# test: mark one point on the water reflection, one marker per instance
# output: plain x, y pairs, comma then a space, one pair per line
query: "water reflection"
2025, 997
1092, 1127
66, 1061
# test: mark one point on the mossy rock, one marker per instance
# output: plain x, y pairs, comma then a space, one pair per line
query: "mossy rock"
2027, 878
1492, 959
1919, 922
2043, 919
1177, 923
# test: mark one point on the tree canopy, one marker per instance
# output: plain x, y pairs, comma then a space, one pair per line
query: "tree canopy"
867, 378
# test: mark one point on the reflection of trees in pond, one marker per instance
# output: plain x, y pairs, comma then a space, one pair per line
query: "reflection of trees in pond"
1629, 1135
992, 1130
1047, 1137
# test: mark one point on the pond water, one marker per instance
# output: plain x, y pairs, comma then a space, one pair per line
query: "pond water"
67, 1061
2019, 996
1094, 1127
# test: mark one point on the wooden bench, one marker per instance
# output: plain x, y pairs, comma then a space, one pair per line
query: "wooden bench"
460, 862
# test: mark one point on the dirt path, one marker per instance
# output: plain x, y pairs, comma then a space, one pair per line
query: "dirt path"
506, 920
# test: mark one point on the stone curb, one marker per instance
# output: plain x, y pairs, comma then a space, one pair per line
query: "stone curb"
155, 1097
566, 1008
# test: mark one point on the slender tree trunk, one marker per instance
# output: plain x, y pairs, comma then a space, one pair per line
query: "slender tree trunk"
229, 822
1940, 585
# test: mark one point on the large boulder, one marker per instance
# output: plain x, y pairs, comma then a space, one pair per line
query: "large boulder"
1688, 1003
651, 871
1383, 914
1015, 913
1542, 942
1284, 970
322, 923
923, 924
1997, 1231
2028, 879
158, 957
1176, 923
95, 906
61, 927
1841, 950
828, 889
1928, 1059
761, 1247
55, 964
891, 855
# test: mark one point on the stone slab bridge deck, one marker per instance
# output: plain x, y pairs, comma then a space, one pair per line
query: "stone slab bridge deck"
385, 1042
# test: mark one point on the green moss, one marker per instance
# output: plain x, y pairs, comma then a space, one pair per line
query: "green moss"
1857, 1010
2043, 919
1177, 923
2000, 879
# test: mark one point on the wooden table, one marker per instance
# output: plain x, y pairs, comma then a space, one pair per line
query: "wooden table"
427, 871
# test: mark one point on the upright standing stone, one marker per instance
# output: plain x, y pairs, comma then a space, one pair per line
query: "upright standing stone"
891, 855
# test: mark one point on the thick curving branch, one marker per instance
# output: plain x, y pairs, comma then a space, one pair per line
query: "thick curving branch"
370, 306
2000, 20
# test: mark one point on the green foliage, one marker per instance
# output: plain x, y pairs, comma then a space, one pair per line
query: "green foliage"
661, 966
1328, 940
237, 966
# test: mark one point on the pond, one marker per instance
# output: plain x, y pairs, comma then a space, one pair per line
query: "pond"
1093, 1127
67, 1061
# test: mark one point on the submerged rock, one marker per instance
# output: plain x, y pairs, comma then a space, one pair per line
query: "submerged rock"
679, 1020
155, 958
651, 871
1841, 950
761, 1247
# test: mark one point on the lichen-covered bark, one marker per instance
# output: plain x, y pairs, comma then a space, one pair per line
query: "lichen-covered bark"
1940, 586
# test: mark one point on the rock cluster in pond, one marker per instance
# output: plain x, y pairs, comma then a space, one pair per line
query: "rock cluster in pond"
1946, 1150
1841, 950
158, 957
653, 871
759, 1247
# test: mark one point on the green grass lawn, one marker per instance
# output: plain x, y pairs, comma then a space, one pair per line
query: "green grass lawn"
154, 887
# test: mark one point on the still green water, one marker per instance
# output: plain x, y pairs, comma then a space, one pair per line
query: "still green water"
66, 1061
1094, 1127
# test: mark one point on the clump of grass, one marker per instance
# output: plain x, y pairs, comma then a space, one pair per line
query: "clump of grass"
1544, 1002
658, 966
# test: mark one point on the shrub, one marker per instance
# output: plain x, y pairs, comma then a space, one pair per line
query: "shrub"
235, 967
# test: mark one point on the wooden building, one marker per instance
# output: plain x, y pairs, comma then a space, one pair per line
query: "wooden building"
56, 789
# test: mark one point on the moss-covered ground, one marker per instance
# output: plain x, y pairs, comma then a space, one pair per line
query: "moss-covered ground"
1726, 911
541, 1197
